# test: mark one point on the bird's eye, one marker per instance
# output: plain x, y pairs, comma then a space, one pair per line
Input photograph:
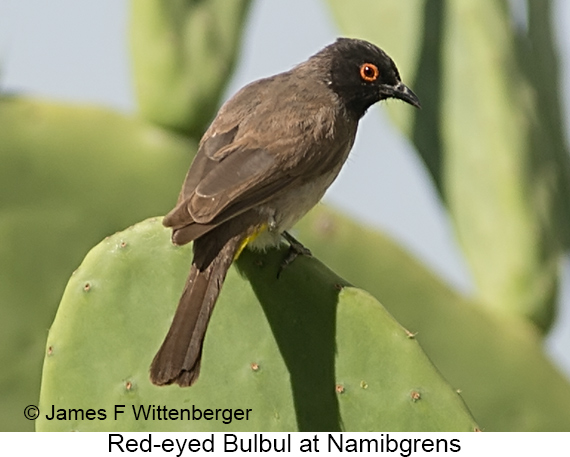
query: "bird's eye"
369, 72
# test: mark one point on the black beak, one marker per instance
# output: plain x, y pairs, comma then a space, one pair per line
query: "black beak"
404, 93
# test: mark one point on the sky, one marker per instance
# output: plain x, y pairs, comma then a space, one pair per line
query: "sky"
77, 51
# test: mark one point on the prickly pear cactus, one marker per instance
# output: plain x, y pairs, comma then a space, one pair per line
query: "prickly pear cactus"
302, 352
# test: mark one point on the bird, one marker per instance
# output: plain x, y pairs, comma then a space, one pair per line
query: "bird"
266, 159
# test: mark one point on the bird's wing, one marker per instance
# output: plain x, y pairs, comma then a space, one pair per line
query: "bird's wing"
244, 177
226, 179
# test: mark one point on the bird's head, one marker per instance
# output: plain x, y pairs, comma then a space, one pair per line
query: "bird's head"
361, 74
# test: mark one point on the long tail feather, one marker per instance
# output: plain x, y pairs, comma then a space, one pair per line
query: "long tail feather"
178, 359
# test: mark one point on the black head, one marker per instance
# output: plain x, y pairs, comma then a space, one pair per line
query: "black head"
362, 74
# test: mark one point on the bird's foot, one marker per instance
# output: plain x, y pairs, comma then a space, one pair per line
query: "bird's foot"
295, 249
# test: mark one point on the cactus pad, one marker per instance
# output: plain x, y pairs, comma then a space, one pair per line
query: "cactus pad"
303, 352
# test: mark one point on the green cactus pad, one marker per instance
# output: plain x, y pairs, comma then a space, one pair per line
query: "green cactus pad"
183, 54
69, 175
302, 352
498, 361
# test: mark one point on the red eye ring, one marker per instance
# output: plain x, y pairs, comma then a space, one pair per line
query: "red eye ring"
369, 72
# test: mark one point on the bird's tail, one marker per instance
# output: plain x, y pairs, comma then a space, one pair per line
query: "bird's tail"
178, 359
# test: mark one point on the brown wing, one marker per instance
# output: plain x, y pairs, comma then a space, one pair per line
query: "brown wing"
244, 171
218, 189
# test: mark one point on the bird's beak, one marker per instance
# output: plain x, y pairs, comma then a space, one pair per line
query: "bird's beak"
404, 93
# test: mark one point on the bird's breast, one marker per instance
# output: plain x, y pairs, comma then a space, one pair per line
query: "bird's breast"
284, 211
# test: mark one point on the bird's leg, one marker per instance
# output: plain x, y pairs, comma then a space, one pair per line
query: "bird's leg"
295, 249
296, 245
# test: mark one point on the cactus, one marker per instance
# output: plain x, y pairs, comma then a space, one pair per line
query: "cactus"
183, 55
304, 352
497, 361
490, 133
69, 175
